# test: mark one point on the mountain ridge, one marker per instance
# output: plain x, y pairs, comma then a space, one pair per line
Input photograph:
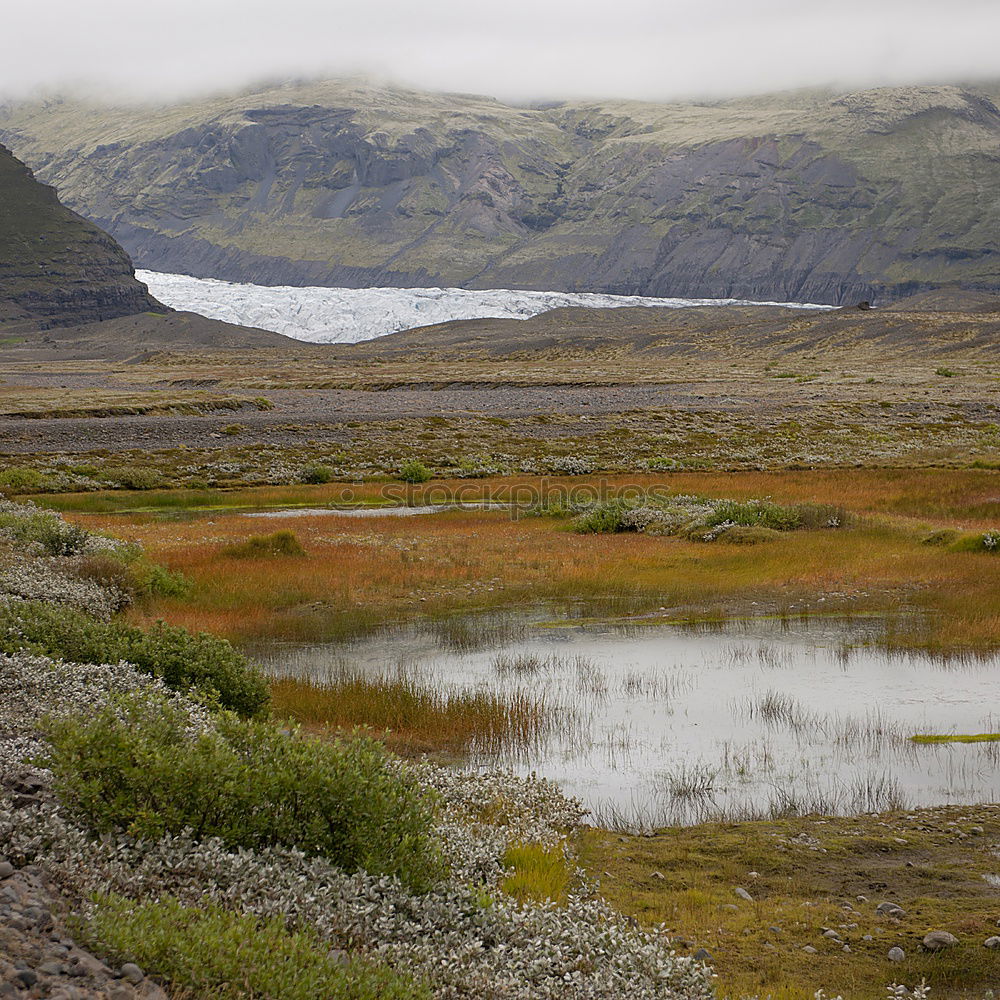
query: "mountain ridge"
810, 196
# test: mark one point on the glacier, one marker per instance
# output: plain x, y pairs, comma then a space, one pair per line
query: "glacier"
349, 315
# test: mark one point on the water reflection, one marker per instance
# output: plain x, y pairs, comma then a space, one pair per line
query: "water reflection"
669, 725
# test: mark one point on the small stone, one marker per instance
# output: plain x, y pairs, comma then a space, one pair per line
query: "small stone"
809, 950
867, 937
992, 942
51, 968
774, 930
729, 906
896, 954
743, 894
131, 973
862, 899
26, 976
976, 831
659, 875
6, 869
702, 955
831, 935
889, 909
939, 940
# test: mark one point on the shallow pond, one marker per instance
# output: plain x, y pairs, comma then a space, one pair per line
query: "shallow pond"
658, 724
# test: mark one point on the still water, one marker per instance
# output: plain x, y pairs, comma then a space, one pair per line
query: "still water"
656, 724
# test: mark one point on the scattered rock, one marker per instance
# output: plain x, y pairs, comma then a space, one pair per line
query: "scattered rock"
743, 894
809, 949
659, 875
131, 973
896, 954
889, 909
939, 940
831, 935
702, 955
992, 942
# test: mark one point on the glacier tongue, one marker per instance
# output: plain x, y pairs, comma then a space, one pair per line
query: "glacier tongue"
349, 315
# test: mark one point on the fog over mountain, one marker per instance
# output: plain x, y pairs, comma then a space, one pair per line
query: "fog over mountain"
522, 51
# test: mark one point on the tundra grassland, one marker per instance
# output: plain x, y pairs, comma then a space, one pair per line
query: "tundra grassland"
895, 557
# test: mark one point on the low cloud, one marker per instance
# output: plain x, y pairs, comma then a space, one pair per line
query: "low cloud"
520, 50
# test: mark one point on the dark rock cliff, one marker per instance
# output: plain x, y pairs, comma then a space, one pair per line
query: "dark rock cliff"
56, 268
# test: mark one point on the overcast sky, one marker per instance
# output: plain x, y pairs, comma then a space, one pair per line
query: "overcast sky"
512, 49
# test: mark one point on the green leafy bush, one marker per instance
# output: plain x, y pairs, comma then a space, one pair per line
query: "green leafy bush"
184, 661
981, 541
316, 473
135, 766
754, 514
20, 477
133, 477
211, 953
56, 536
741, 534
603, 519
281, 543
414, 472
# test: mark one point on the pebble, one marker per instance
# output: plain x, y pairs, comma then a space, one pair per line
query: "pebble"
889, 909
6, 869
992, 942
743, 894
896, 954
702, 955
809, 949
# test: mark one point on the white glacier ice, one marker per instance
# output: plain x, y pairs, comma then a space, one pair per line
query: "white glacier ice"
349, 315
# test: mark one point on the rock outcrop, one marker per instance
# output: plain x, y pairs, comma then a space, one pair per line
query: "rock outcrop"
56, 268
822, 197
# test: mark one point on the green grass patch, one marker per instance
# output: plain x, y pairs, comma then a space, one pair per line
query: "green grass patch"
537, 873
209, 953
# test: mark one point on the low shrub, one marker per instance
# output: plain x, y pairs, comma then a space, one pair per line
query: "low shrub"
137, 767
604, 519
281, 543
20, 477
55, 536
132, 477
128, 571
210, 953
317, 474
185, 662
741, 534
414, 472
940, 537
981, 541
754, 514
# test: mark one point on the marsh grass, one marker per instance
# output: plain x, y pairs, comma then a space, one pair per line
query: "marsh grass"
936, 738
414, 719
478, 560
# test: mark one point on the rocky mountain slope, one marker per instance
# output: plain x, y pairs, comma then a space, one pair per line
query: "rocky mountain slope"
817, 197
56, 268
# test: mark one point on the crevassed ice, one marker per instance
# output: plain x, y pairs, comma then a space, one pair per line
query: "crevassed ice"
349, 315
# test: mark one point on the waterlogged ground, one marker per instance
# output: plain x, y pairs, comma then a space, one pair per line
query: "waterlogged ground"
660, 724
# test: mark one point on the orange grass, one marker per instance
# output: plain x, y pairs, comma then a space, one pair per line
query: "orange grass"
359, 573
412, 720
